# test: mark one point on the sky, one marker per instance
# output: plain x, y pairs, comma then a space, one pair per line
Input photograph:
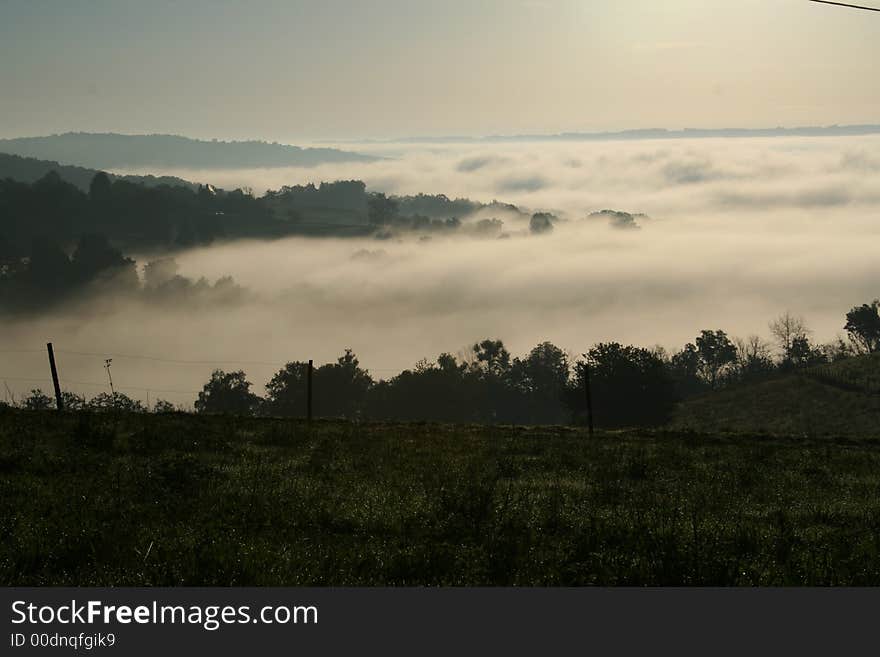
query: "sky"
311, 70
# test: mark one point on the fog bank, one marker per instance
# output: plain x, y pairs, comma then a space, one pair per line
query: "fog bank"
739, 232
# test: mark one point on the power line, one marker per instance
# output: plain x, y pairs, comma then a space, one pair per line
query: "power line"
843, 4
142, 357
142, 389
96, 384
21, 378
178, 361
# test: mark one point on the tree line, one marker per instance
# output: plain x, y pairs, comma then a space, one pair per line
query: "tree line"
134, 215
630, 385
49, 275
56, 240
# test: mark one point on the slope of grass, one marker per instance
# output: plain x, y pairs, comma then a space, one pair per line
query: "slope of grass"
190, 500
854, 374
832, 400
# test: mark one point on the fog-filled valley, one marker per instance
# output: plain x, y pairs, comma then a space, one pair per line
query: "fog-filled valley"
706, 234
332, 294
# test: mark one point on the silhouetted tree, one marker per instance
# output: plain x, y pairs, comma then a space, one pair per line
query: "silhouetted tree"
37, 400
339, 389
684, 367
227, 393
786, 329
542, 377
111, 402
631, 386
49, 270
490, 378
541, 222
442, 392
803, 353
381, 209
863, 326
73, 401
753, 358
159, 272
100, 189
717, 354
94, 258
163, 406
838, 350
286, 392
492, 357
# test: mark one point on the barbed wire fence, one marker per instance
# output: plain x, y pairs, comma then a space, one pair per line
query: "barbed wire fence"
183, 399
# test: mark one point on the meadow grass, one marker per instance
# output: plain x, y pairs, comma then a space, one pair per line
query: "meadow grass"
798, 404
141, 500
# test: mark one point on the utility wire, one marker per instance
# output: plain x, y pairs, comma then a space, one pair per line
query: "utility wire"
143, 389
20, 378
178, 361
843, 4
95, 384
158, 359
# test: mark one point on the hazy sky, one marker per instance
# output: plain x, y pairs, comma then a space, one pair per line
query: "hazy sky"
300, 69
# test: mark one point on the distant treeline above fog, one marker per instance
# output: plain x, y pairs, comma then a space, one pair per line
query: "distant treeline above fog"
161, 214
168, 151
56, 240
650, 133
97, 270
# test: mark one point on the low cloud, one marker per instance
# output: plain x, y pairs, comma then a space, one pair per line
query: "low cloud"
472, 164
524, 184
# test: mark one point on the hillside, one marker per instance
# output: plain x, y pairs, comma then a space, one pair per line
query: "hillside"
113, 151
834, 400
29, 170
173, 499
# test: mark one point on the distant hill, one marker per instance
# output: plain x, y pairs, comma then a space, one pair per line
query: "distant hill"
651, 133
29, 170
113, 151
842, 399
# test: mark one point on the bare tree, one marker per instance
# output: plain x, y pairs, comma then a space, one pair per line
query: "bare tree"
753, 356
786, 330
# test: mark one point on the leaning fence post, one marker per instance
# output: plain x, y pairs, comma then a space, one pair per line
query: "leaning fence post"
589, 396
588, 393
309, 392
58, 400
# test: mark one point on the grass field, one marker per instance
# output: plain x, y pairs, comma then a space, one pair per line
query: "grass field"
826, 401
191, 500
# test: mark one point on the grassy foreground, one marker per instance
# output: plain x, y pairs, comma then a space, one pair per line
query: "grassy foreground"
188, 500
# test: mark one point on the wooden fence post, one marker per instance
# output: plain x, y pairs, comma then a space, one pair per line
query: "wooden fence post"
309, 392
589, 397
58, 399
